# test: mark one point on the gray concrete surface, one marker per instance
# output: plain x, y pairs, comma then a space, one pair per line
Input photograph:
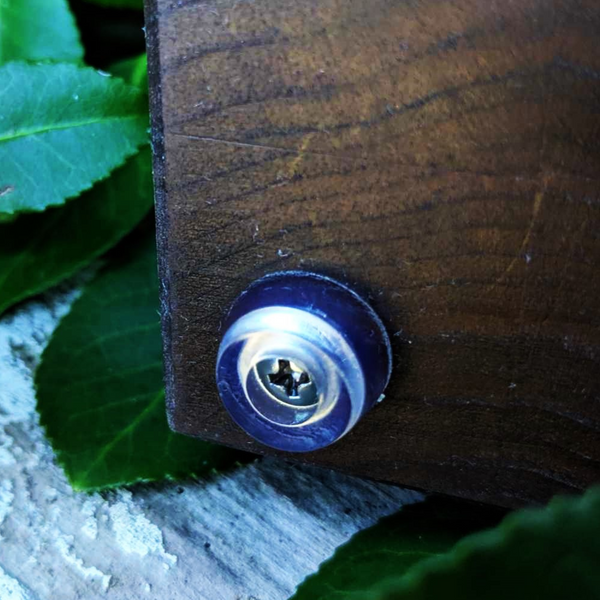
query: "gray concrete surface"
251, 534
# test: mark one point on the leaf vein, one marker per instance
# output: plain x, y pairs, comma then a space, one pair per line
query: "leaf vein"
126, 431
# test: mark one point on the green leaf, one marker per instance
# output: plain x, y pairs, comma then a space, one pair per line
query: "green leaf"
100, 384
38, 30
551, 553
133, 71
63, 127
394, 544
39, 250
133, 4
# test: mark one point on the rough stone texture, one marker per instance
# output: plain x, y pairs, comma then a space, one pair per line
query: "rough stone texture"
253, 533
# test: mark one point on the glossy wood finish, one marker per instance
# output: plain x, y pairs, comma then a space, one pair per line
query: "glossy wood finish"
443, 157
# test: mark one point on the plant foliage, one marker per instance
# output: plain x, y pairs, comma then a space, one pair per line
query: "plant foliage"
100, 385
63, 128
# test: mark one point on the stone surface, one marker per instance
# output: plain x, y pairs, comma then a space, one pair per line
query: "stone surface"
253, 533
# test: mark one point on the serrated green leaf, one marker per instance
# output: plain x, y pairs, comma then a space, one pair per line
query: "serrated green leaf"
100, 384
62, 128
39, 250
551, 554
393, 545
38, 30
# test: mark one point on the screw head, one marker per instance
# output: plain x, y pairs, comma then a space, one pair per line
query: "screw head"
288, 382
302, 359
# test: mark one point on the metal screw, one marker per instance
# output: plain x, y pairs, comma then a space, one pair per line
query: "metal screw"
302, 359
289, 378
288, 382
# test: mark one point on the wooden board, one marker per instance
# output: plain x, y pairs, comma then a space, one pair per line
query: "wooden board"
442, 157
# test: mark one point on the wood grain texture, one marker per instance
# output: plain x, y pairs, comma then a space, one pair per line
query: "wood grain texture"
443, 158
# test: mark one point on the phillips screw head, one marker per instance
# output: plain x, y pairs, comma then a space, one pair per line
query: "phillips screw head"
302, 359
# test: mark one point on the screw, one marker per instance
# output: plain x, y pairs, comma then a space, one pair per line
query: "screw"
287, 382
289, 378
302, 359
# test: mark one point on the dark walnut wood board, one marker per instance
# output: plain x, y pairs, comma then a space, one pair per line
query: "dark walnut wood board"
443, 158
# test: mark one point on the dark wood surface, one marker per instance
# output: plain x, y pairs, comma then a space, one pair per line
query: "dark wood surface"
443, 157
